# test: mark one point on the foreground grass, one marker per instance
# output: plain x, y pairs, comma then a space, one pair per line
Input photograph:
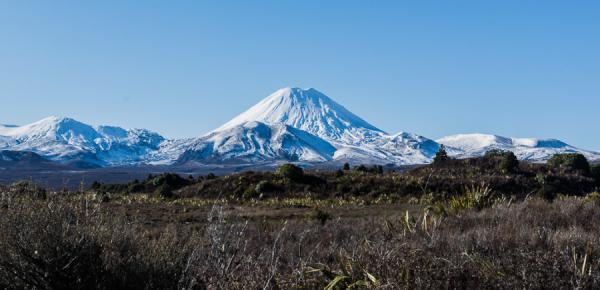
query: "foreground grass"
81, 242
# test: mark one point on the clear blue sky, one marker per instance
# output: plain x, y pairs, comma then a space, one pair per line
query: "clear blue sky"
182, 68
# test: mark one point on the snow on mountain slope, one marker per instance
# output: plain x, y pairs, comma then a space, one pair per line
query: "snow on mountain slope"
530, 149
54, 137
352, 138
169, 151
65, 139
308, 110
255, 142
291, 124
6, 141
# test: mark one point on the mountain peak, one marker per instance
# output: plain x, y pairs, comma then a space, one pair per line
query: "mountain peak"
304, 109
55, 119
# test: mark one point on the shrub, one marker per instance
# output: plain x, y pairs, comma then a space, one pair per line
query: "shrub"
474, 197
321, 216
377, 169
508, 161
251, 192
593, 197
361, 168
96, 185
346, 166
135, 187
595, 171
173, 180
164, 191
570, 161
494, 153
441, 156
265, 186
290, 171
28, 188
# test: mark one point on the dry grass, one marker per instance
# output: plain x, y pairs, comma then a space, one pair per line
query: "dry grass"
80, 242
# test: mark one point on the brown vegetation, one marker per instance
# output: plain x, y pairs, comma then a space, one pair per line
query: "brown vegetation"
478, 223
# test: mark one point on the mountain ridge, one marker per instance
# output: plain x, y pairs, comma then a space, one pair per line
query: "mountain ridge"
531, 149
289, 125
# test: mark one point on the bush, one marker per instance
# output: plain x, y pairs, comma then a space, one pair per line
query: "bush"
494, 153
592, 197
508, 161
251, 192
474, 197
135, 187
377, 169
164, 191
264, 187
595, 171
346, 166
30, 189
361, 168
321, 216
441, 156
570, 162
173, 180
291, 171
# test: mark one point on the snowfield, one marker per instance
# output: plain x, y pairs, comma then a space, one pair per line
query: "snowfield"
530, 149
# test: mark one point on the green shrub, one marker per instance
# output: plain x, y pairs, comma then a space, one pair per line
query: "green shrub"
321, 216
251, 192
28, 188
474, 197
595, 171
570, 162
361, 168
441, 156
135, 187
291, 171
593, 197
164, 191
377, 169
494, 153
265, 186
346, 166
546, 194
508, 161
173, 180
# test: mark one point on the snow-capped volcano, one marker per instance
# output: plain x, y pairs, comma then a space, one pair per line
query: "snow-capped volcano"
530, 149
316, 129
308, 110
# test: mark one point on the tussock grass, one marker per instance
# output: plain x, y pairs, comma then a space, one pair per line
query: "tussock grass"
79, 241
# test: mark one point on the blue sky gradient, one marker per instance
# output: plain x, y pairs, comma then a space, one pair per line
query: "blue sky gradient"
182, 68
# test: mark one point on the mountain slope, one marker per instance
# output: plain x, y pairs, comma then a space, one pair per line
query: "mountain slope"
347, 136
308, 110
258, 142
530, 149
65, 139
